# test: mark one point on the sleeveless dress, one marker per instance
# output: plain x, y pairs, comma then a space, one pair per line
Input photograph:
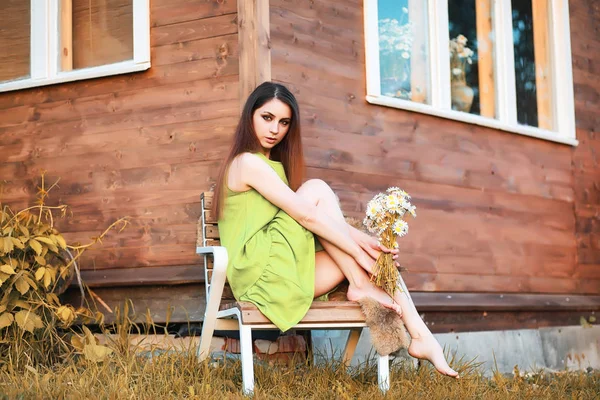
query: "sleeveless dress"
271, 256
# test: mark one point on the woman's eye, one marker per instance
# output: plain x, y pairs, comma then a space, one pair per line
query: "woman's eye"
285, 123
266, 117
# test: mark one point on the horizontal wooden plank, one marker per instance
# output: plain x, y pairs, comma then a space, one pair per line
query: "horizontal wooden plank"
219, 50
186, 303
97, 189
343, 16
428, 301
88, 218
168, 12
175, 63
439, 282
450, 198
591, 271
588, 256
131, 277
170, 143
416, 163
182, 303
103, 257
472, 321
320, 311
193, 30
113, 104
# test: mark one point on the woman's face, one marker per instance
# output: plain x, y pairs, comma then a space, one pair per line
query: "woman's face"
271, 124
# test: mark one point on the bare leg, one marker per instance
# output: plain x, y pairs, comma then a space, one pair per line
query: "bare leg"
423, 344
360, 285
327, 274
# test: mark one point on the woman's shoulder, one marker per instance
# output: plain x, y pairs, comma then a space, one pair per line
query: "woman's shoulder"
247, 157
254, 161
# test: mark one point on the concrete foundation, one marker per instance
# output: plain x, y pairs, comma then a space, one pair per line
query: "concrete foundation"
557, 348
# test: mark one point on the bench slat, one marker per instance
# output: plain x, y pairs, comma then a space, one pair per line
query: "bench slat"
212, 242
212, 232
320, 311
208, 200
208, 217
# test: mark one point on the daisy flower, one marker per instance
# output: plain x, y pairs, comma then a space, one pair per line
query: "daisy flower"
400, 228
373, 208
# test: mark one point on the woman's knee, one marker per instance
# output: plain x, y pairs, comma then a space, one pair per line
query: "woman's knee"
316, 190
317, 186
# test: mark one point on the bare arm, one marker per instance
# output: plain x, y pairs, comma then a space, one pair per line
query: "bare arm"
370, 244
255, 173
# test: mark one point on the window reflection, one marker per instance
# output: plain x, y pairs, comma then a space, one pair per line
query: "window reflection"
15, 36
471, 56
404, 49
532, 63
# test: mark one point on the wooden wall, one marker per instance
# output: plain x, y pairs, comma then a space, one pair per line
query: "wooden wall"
497, 212
142, 145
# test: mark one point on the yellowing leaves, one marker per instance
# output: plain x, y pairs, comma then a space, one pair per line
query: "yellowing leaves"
6, 245
22, 285
24, 230
49, 276
39, 274
88, 345
17, 243
6, 319
47, 241
28, 321
60, 241
66, 314
36, 246
7, 269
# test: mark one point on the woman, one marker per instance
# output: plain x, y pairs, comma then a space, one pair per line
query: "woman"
268, 221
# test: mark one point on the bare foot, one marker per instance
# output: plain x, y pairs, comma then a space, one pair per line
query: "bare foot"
377, 294
429, 349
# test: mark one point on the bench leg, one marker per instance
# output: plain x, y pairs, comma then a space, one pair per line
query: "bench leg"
351, 345
383, 373
247, 359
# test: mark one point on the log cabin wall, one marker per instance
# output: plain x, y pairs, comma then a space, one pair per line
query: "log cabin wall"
143, 145
585, 40
497, 212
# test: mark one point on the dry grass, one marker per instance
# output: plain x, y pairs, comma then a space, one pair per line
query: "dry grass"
130, 374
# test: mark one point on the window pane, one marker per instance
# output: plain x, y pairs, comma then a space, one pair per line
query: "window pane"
15, 36
404, 49
472, 56
98, 32
532, 62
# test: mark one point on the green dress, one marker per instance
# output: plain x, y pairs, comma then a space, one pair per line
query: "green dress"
271, 256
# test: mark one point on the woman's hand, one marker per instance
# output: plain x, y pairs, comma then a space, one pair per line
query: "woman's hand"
373, 248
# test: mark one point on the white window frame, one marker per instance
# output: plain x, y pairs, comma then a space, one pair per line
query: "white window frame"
45, 52
506, 102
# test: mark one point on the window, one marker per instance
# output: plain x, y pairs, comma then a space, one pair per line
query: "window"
50, 41
494, 63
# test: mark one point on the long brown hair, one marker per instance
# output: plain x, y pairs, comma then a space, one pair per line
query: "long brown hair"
288, 151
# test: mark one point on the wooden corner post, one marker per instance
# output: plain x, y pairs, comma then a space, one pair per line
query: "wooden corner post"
254, 37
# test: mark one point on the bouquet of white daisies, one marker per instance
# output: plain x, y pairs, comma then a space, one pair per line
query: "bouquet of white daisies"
385, 213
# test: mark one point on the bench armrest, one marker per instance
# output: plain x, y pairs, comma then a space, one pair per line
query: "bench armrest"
206, 250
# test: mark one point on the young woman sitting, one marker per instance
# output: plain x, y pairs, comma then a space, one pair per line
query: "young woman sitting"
269, 220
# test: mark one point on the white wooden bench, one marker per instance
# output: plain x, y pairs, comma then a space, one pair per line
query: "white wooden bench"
245, 317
